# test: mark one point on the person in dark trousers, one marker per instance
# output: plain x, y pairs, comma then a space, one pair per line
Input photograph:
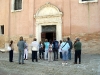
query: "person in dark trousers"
77, 47
35, 49
55, 49
21, 47
11, 51
60, 49
71, 46
41, 50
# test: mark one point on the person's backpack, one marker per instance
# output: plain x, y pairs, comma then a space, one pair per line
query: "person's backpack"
56, 45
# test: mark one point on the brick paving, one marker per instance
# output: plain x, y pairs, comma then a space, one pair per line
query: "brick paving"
90, 66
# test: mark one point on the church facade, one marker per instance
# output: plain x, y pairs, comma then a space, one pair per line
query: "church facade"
47, 19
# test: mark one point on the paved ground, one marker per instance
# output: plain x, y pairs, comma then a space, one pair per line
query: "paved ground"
90, 66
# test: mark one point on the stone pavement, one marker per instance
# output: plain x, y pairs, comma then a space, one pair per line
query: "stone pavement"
90, 66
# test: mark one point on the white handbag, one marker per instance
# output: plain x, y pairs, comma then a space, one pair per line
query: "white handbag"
34, 48
9, 48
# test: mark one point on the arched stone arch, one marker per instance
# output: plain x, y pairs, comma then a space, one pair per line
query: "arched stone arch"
48, 14
48, 9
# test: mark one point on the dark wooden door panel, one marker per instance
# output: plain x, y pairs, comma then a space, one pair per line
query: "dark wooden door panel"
43, 36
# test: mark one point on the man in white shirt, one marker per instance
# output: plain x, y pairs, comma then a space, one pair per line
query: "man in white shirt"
34, 48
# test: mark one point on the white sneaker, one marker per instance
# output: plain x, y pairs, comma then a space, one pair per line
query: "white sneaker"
66, 63
63, 64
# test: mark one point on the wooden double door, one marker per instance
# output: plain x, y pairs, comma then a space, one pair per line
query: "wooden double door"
48, 35
48, 32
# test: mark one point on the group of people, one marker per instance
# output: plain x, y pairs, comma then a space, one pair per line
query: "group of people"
22, 48
48, 50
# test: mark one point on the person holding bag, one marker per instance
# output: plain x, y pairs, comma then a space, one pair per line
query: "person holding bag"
64, 47
35, 49
11, 51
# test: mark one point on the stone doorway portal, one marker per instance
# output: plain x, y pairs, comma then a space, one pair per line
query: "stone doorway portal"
48, 15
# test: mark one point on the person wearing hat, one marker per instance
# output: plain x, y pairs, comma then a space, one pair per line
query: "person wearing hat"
77, 47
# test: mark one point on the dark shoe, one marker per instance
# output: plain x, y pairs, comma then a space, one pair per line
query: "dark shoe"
19, 63
75, 63
26, 59
23, 63
54, 60
79, 62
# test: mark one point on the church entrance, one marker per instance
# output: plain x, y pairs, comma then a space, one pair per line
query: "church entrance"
48, 23
48, 32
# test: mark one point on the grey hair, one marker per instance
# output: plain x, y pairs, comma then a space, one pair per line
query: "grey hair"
64, 39
78, 39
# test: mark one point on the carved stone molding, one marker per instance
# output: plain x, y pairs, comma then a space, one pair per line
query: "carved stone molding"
49, 20
48, 10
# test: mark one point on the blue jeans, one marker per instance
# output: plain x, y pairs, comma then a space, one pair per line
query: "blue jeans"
65, 55
69, 54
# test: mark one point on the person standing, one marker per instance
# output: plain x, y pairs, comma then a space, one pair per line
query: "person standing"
21, 47
71, 46
60, 49
64, 47
55, 49
77, 47
11, 51
26, 51
35, 48
50, 52
46, 44
41, 50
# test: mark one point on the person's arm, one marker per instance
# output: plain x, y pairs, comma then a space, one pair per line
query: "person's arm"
17, 44
12, 46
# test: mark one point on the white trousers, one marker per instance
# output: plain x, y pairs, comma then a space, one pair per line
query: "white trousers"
25, 53
50, 56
